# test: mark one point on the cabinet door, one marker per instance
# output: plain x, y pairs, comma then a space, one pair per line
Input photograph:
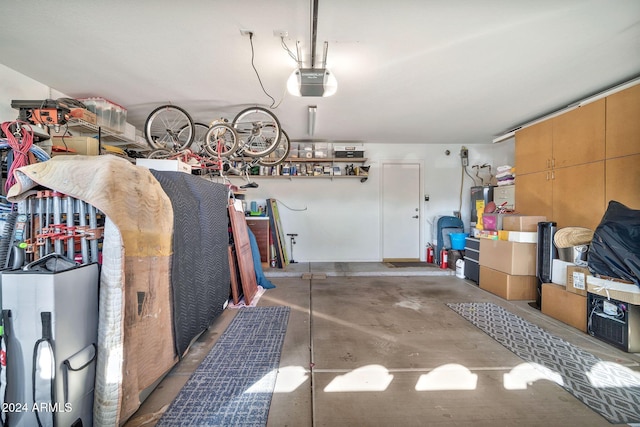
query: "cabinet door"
623, 181
623, 123
578, 136
260, 229
534, 194
533, 148
578, 195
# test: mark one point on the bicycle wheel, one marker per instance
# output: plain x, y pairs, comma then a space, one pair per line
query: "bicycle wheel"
259, 131
160, 153
221, 139
197, 146
170, 127
278, 155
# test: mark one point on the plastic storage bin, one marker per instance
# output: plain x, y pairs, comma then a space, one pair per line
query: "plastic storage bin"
108, 114
458, 240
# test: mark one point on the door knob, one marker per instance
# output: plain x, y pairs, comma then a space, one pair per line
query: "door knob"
415, 216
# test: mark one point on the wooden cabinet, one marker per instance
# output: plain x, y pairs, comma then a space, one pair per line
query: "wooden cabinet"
534, 194
533, 148
578, 135
622, 182
578, 195
560, 168
623, 123
573, 138
260, 228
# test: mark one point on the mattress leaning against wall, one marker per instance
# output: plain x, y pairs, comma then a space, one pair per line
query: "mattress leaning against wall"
135, 339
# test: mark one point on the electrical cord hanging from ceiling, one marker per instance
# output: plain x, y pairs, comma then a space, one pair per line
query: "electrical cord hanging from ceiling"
273, 101
290, 52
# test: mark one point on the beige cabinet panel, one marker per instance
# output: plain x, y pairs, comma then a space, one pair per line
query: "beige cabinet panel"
533, 148
623, 181
578, 195
506, 195
623, 123
534, 194
578, 135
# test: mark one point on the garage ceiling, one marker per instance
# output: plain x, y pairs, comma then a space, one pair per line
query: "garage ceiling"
408, 71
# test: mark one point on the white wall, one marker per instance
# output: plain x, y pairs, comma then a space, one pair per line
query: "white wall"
14, 85
339, 220
336, 220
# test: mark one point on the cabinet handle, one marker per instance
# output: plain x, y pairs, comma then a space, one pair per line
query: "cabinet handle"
548, 163
553, 162
553, 175
547, 176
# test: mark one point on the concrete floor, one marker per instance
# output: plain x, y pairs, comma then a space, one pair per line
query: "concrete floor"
363, 338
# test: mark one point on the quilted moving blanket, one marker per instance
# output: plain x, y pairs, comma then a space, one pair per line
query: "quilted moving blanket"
200, 274
135, 339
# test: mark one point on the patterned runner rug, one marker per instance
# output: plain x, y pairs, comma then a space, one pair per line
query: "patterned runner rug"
606, 387
234, 383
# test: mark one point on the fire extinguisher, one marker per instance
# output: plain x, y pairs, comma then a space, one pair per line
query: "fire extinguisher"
430, 254
444, 258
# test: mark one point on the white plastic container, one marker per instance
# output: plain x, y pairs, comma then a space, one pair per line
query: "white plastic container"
460, 268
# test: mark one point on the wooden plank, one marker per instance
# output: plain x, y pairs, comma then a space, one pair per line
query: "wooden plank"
281, 239
276, 233
243, 254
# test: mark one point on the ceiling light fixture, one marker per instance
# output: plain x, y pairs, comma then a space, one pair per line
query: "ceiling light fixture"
313, 81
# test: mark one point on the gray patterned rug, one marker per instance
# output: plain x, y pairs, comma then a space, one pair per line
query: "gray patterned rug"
608, 388
234, 383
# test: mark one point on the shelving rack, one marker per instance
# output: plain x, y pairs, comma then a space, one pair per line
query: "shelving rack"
106, 135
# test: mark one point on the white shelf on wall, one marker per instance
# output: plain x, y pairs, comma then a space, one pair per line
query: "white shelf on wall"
107, 136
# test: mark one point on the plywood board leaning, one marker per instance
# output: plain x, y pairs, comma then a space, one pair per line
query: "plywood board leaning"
243, 254
280, 232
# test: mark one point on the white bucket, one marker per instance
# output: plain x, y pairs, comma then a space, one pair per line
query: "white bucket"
460, 269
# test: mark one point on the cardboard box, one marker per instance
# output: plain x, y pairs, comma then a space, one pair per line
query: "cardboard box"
79, 144
626, 292
485, 234
164, 165
577, 279
564, 306
522, 222
84, 114
522, 236
559, 271
508, 286
509, 257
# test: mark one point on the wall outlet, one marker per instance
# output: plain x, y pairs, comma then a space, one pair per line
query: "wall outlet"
464, 155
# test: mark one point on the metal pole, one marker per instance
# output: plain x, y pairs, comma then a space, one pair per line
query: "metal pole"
70, 221
84, 247
57, 218
93, 224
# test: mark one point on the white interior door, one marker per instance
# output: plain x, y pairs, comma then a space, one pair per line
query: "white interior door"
401, 211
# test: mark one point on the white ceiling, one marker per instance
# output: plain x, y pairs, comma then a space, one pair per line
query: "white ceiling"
411, 71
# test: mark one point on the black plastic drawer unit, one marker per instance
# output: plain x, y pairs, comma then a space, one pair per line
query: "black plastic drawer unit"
471, 259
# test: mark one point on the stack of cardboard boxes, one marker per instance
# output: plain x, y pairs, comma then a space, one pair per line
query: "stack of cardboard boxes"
508, 257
